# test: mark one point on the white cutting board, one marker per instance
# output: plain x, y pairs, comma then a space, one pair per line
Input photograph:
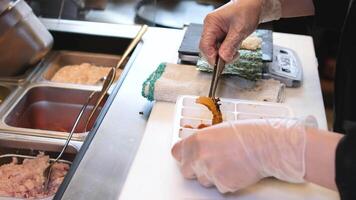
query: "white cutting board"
155, 174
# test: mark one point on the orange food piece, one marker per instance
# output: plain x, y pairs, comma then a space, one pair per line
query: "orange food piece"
201, 126
188, 126
214, 106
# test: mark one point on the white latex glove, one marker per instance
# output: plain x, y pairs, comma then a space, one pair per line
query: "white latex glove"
232, 23
232, 156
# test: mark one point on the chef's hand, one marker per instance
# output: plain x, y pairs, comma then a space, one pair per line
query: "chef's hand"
232, 23
232, 156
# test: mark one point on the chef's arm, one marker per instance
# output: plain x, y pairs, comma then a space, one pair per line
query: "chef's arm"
297, 8
235, 155
320, 157
237, 19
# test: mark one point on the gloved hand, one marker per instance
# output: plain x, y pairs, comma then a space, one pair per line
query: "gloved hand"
232, 23
232, 156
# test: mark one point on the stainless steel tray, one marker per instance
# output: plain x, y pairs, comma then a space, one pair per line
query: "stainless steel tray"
19, 79
22, 148
31, 110
7, 93
32, 148
48, 111
7, 158
59, 59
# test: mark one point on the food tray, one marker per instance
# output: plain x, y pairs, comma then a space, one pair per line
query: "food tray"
189, 113
47, 111
9, 147
59, 59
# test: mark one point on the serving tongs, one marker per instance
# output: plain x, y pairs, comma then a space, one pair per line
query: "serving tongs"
119, 65
108, 82
127, 52
218, 69
132, 45
212, 102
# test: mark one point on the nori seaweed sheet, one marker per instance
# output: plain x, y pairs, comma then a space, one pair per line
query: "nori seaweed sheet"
248, 66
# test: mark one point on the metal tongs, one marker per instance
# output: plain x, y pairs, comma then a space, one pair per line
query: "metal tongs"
119, 65
218, 69
108, 82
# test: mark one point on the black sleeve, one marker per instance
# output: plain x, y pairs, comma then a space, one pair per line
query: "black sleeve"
330, 14
346, 166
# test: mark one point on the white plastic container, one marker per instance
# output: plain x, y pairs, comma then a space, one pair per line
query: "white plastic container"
189, 113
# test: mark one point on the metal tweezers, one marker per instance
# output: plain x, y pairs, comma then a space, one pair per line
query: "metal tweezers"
218, 68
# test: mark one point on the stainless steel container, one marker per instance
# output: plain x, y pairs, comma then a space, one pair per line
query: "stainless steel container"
59, 59
49, 111
23, 38
20, 148
4, 92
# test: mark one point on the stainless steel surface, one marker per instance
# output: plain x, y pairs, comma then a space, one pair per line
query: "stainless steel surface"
22, 77
4, 93
132, 45
218, 69
92, 28
120, 132
59, 59
173, 13
101, 95
39, 111
21, 31
117, 12
47, 172
121, 129
49, 96
44, 110
7, 94
32, 148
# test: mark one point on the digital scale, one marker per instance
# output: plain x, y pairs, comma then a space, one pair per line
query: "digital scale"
280, 63
284, 67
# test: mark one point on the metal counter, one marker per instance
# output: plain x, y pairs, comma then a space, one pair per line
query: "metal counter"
103, 162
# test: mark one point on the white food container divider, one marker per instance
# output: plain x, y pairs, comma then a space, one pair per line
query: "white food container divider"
190, 113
